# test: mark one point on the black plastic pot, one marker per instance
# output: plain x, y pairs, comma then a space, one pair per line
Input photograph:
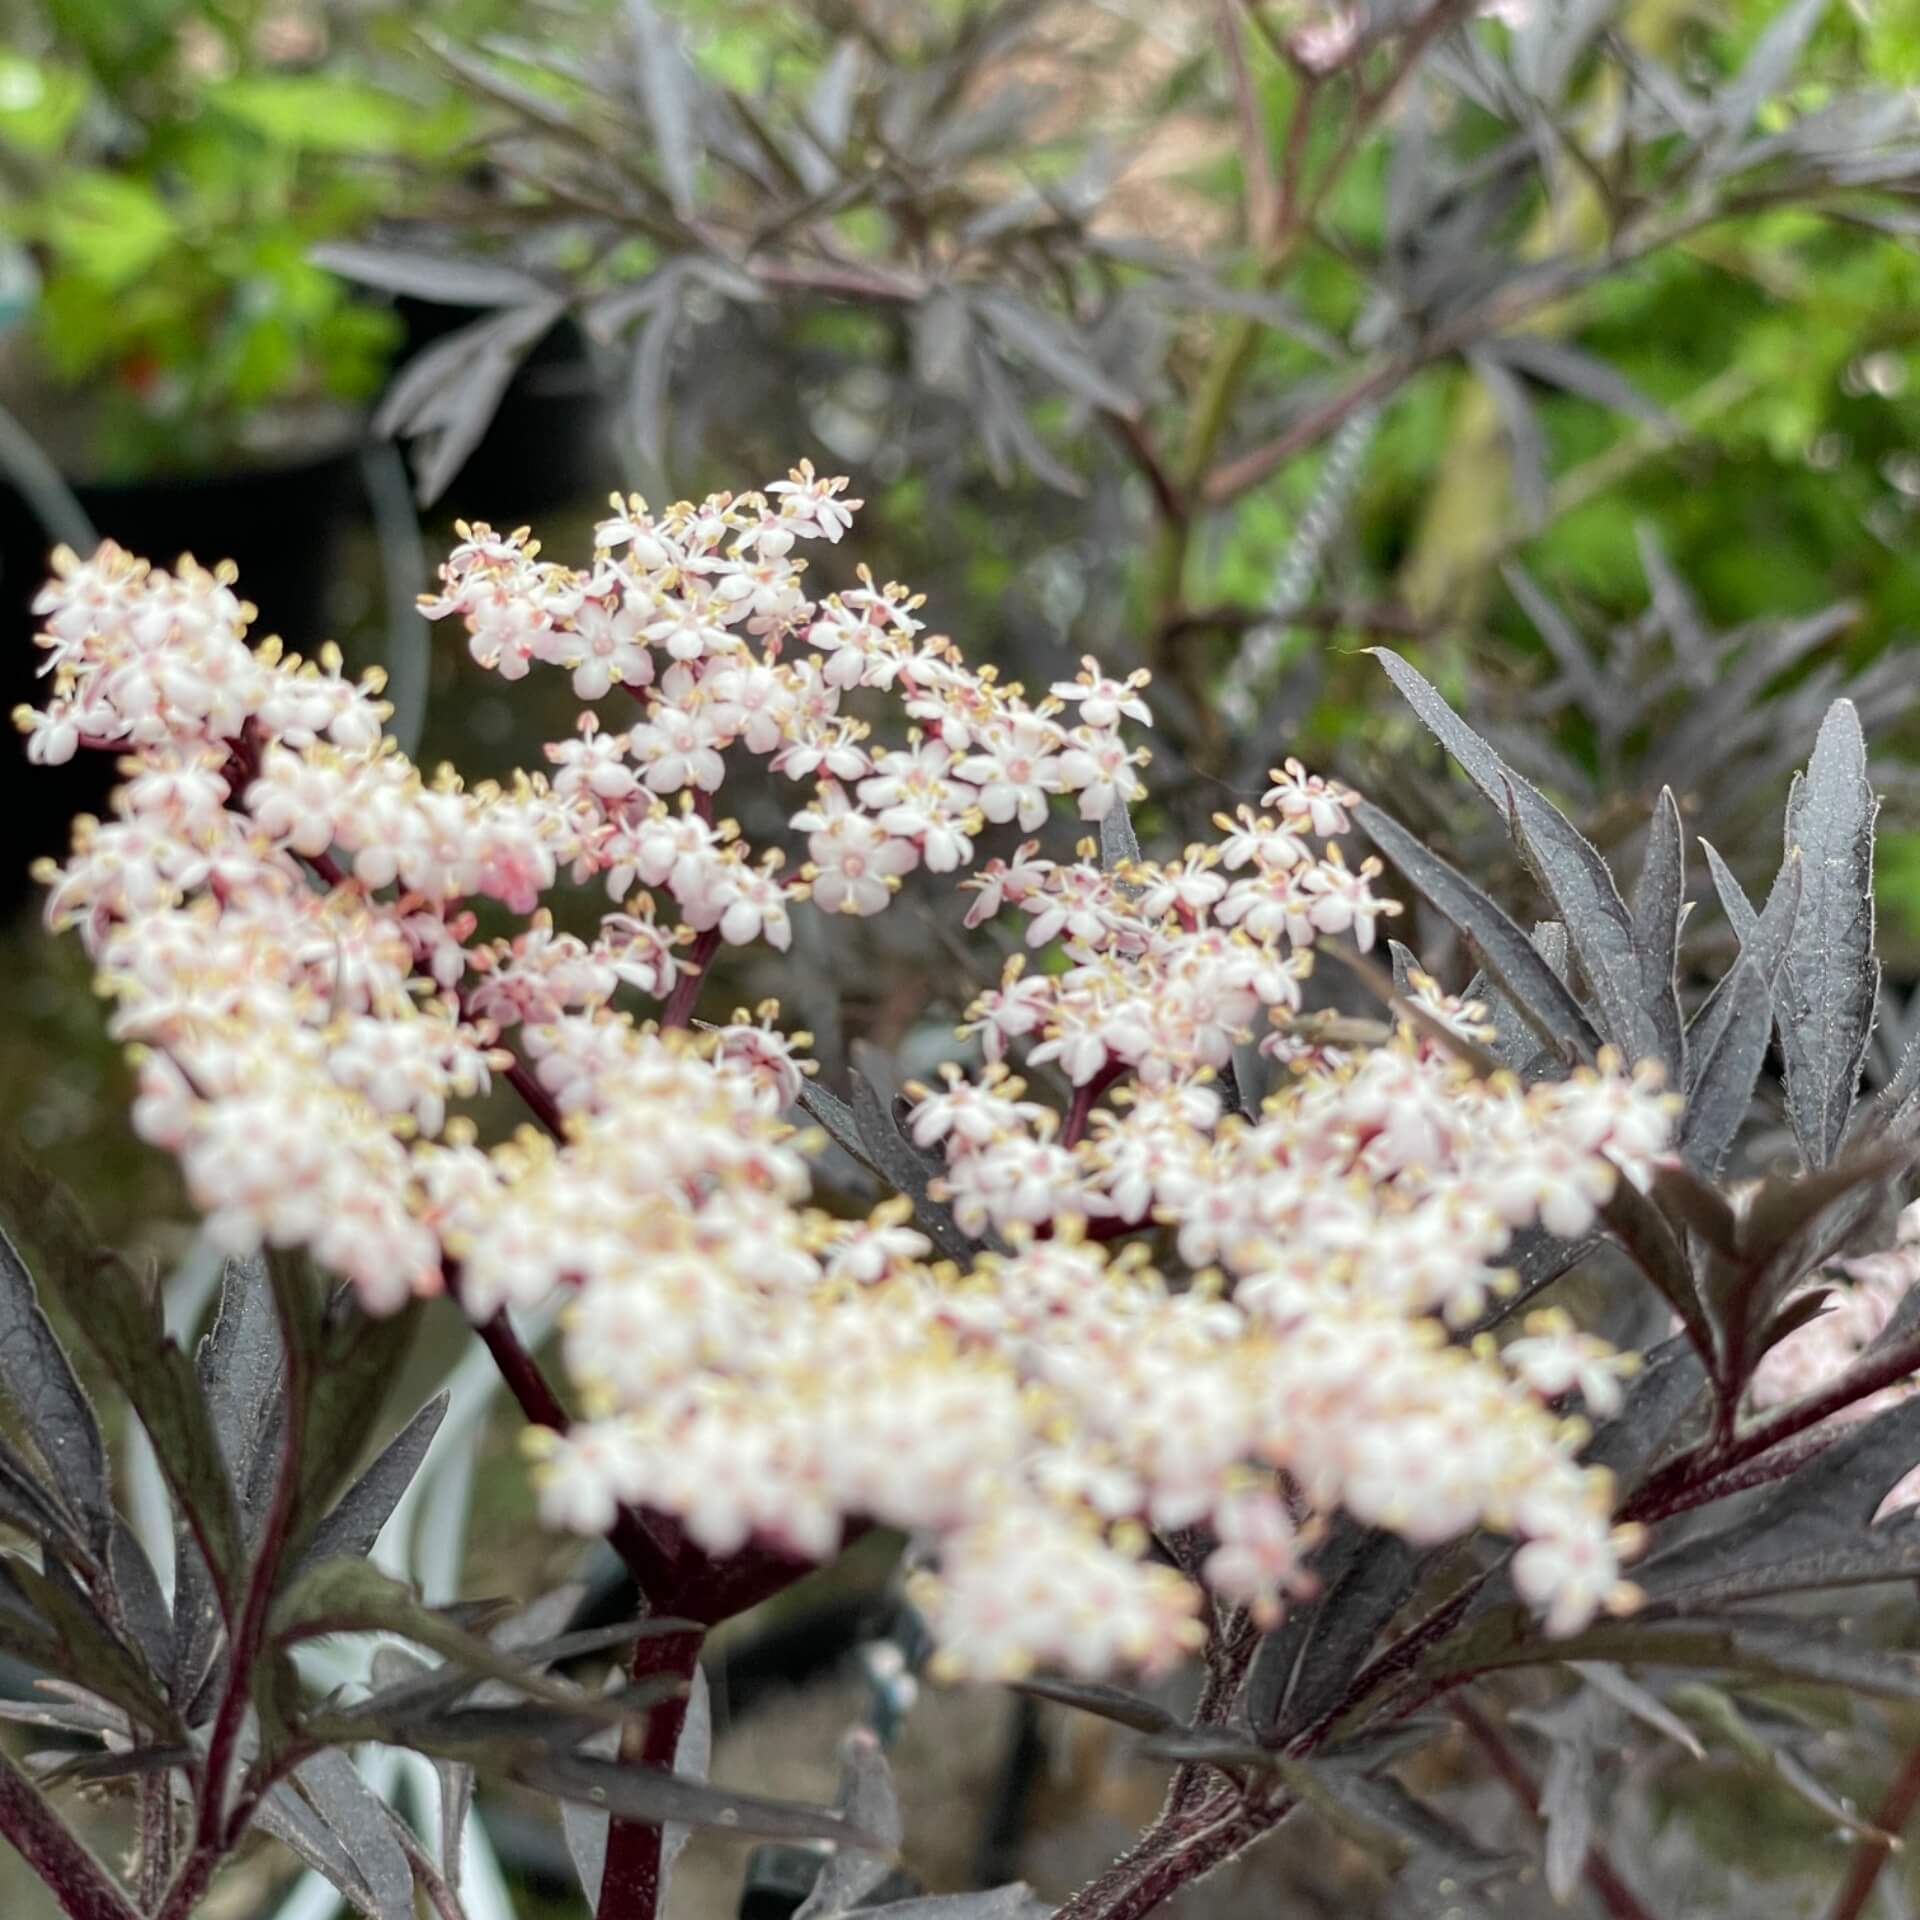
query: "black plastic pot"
280, 525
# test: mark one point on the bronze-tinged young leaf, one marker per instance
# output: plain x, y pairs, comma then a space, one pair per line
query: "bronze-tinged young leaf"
42, 1387
1541, 996
1832, 980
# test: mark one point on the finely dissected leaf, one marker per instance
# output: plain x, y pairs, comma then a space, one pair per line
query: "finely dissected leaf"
79, 1642
1814, 1529
98, 1769
1351, 1614
1766, 1646
899, 1163
833, 1113
454, 281
667, 91
1658, 1400
1515, 1044
356, 1359
1541, 996
358, 1819
1118, 842
1607, 1679
639, 1793
1725, 1075
124, 1327
287, 1816
1763, 945
40, 1383
1556, 364
1832, 980
138, 1607
449, 393
1767, 69
1526, 438
1044, 343
1658, 906
242, 1366
1657, 1252
867, 1799
1107, 1703
27, 1502
354, 1525
1566, 1808
349, 1596
1633, 995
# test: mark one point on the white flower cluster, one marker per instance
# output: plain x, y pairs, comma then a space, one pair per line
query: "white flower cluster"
1192, 1316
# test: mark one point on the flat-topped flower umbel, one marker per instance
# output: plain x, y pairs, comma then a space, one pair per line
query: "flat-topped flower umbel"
1177, 1313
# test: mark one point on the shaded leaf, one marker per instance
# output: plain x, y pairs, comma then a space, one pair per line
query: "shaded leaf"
1556, 364
68, 1635
1813, 1529
452, 281
1049, 346
1657, 908
242, 1367
1657, 1252
667, 91
1566, 1810
1607, 1679
1659, 1398
123, 1325
349, 1596
1725, 1076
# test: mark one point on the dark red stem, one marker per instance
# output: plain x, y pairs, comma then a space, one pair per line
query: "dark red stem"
1903, 1797
630, 1887
678, 1011
72, 1875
